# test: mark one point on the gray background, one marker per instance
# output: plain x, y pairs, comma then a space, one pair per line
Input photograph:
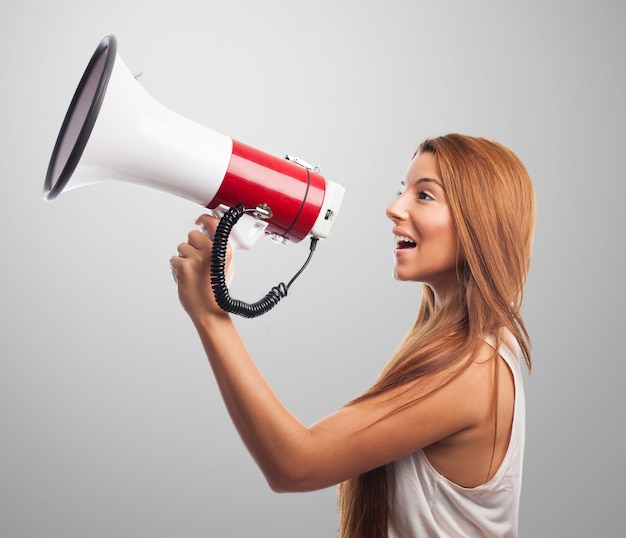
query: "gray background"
110, 420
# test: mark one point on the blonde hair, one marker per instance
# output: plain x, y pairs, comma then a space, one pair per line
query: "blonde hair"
492, 203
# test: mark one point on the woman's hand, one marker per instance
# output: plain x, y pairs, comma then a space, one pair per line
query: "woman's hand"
192, 270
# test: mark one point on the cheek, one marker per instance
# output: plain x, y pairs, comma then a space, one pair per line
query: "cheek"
445, 238
439, 225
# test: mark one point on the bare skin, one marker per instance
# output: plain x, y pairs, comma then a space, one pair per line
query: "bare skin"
453, 425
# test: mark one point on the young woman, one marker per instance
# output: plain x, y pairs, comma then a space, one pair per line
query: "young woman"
435, 446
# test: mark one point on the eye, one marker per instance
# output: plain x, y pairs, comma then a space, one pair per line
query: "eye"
423, 195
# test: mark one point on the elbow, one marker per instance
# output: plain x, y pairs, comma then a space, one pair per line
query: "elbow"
284, 484
297, 468
290, 481
280, 486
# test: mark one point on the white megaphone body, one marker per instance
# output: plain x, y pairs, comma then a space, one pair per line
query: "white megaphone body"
115, 130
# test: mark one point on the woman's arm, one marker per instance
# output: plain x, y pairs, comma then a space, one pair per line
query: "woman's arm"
351, 441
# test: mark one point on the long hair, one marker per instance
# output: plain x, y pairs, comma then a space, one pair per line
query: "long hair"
492, 204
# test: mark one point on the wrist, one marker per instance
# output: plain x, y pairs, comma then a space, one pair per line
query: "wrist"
209, 319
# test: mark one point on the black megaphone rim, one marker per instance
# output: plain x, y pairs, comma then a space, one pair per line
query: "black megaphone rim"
53, 188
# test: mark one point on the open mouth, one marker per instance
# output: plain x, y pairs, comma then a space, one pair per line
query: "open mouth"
404, 242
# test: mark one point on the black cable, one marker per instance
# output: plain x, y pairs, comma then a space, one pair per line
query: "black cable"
302, 204
218, 278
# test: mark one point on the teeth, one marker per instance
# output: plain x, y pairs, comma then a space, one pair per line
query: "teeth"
403, 239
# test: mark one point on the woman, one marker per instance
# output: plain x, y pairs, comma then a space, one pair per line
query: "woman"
434, 447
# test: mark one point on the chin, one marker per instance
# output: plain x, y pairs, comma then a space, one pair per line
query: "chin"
397, 275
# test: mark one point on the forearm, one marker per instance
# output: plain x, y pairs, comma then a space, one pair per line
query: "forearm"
274, 437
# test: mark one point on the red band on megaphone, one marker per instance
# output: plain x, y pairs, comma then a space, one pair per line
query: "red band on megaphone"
294, 193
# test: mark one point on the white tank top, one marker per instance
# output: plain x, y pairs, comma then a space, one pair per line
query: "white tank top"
423, 503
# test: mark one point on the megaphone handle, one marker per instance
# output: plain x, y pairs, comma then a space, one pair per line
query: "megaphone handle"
218, 278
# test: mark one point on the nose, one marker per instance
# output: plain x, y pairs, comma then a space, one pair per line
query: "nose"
395, 210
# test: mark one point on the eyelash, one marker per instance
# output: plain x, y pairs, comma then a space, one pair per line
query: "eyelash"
421, 195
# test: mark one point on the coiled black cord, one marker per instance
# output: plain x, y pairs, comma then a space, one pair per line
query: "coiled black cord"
218, 278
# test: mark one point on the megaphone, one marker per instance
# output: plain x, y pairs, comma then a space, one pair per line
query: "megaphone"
114, 130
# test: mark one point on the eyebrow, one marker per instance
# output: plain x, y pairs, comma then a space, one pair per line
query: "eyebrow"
425, 180
429, 180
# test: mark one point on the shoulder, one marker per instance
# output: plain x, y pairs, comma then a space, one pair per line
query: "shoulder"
460, 400
470, 392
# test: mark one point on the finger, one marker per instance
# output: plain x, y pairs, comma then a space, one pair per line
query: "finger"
174, 272
185, 250
209, 223
180, 266
175, 264
199, 240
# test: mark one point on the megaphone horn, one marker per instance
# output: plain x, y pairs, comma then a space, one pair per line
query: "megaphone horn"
115, 130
